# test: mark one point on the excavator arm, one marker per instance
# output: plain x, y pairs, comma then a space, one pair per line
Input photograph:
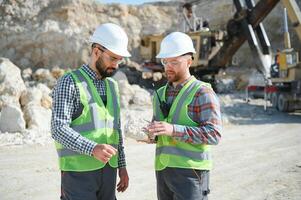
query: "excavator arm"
294, 14
246, 21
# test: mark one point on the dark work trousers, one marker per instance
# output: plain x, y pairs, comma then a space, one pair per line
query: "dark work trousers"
92, 185
182, 184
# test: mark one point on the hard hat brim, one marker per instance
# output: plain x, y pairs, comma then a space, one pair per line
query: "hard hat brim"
121, 53
124, 53
168, 55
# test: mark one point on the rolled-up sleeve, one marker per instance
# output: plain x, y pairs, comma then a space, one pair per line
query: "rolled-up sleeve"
206, 112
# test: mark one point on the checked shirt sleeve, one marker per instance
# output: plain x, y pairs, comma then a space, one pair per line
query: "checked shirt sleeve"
121, 155
206, 112
64, 102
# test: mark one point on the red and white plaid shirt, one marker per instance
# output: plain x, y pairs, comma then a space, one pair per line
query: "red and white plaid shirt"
204, 110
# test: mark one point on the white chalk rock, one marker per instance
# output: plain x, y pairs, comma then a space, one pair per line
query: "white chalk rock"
133, 128
11, 82
141, 96
11, 119
37, 117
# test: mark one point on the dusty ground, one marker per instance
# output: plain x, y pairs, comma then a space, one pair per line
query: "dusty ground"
257, 159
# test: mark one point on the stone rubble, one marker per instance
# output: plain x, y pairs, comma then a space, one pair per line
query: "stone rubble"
26, 109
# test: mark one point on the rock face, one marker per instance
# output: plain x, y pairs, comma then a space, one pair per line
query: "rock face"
56, 33
11, 83
51, 33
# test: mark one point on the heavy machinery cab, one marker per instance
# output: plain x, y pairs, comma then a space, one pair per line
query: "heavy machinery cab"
206, 43
288, 67
286, 82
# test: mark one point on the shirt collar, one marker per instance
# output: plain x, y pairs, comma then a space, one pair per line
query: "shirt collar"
92, 74
181, 85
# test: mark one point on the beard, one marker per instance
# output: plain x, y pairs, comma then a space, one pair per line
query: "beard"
172, 77
104, 72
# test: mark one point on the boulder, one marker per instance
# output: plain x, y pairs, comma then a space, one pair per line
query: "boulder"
11, 119
37, 117
32, 95
157, 76
11, 83
44, 76
141, 96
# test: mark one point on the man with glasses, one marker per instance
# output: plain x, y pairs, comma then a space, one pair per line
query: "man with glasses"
187, 121
86, 121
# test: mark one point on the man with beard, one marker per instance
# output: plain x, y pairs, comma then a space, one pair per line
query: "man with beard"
187, 121
86, 121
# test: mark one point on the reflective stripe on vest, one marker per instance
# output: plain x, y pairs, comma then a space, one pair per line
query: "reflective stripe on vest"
176, 115
96, 122
68, 152
173, 153
181, 152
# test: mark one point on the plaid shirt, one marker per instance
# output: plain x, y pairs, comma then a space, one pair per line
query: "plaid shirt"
204, 110
66, 102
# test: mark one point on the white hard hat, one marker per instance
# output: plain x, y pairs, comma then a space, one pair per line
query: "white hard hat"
175, 44
112, 37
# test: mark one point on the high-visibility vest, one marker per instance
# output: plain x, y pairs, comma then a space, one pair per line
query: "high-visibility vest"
97, 122
174, 153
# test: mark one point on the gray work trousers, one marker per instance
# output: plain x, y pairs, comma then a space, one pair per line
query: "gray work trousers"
92, 185
182, 184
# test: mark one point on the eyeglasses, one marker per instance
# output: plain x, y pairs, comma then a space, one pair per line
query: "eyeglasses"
173, 63
111, 58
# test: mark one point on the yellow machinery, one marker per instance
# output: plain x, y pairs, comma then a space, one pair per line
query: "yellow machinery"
207, 44
286, 92
215, 49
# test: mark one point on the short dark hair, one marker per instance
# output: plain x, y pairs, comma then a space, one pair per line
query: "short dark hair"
94, 45
188, 6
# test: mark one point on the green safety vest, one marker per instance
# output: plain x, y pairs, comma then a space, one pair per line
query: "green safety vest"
174, 153
97, 122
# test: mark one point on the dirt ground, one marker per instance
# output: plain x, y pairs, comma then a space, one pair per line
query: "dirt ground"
258, 158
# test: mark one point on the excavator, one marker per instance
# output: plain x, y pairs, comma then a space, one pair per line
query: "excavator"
215, 50
283, 85
285, 90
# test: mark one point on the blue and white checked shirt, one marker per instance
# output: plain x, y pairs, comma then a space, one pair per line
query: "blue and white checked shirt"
66, 102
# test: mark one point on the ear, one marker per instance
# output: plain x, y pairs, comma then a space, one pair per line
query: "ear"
96, 51
189, 62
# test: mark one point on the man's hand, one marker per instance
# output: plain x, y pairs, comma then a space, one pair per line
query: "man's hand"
148, 141
104, 152
124, 180
160, 128
150, 137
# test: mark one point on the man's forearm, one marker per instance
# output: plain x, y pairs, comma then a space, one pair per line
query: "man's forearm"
206, 134
73, 140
